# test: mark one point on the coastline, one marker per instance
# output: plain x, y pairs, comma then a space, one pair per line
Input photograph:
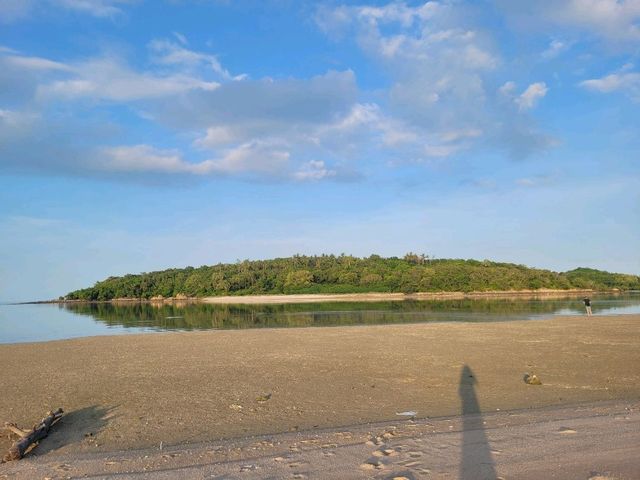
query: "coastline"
348, 297
135, 391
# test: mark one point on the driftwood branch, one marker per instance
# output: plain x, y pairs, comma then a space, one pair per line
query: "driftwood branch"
29, 437
18, 431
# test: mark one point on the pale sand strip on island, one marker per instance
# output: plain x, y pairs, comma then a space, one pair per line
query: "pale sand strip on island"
384, 297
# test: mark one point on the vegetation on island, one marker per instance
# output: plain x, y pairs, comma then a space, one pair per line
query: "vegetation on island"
347, 274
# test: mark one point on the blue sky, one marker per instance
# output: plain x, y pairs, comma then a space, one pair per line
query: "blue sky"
139, 135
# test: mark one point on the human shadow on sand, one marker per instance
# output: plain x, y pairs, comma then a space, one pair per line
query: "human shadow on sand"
75, 427
476, 462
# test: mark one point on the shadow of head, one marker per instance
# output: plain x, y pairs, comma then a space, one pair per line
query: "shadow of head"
467, 377
466, 391
75, 427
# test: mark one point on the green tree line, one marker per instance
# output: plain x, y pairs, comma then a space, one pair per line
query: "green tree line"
348, 274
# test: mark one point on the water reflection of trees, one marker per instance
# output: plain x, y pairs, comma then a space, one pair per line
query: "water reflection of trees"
207, 316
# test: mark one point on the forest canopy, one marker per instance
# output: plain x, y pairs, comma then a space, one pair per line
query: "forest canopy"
347, 274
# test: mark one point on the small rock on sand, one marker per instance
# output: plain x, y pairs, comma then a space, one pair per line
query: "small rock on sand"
531, 379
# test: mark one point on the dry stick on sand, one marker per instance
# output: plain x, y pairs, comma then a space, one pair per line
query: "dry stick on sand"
29, 437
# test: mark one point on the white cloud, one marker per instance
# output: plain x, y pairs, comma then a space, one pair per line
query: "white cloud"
621, 81
96, 8
440, 67
181, 38
615, 22
258, 159
249, 128
508, 89
556, 47
455, 135
16, 118
145, 158
436, 66
109, 79
13, 10
314, 170
334, 20
440, 151
256, 156
530, 97
36, 63
16, 126
170, 53
102, 78
612, 19
216, 137
247, 158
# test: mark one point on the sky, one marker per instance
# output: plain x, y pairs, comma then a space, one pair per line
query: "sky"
141, 135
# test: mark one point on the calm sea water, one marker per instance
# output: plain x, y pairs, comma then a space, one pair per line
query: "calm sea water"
34, 323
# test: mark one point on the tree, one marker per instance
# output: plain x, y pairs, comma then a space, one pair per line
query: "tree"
298, 279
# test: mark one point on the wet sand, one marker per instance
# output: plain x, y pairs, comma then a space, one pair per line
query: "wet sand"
138, 391
590, 442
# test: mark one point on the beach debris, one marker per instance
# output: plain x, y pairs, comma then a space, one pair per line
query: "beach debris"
408, 413
566, 431
236, 407
263, 398
29, 438
531, 379
600, 476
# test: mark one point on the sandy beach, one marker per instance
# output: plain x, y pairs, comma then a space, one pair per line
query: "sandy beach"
547, 293
388, 297
179, 389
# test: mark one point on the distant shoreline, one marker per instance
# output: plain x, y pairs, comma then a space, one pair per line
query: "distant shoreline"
346, 297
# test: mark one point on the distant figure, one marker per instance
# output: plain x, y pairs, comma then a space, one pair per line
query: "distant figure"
587, 305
